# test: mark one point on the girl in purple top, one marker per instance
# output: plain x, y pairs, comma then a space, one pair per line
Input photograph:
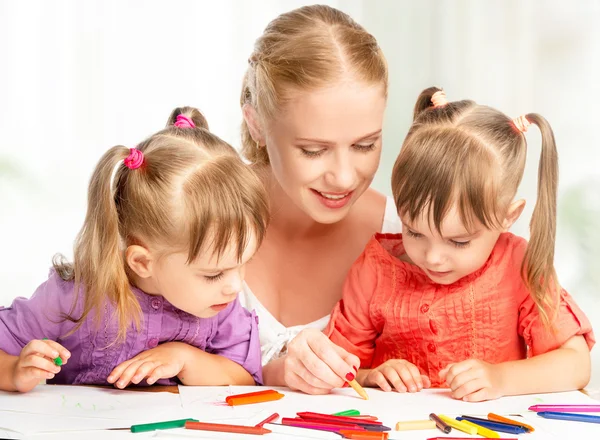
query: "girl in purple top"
152, 293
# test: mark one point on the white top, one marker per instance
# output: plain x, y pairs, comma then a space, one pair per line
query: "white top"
274, 336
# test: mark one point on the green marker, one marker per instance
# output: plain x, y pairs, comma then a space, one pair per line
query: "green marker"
348, 413
57, 361
161, 425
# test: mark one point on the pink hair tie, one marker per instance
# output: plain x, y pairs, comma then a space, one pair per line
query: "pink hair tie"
521, 123
135, 159
184, 122
438, 99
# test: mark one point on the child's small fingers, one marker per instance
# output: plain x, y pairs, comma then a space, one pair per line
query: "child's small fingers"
416, 376
461, 379
143, 371
41, 347
407, 378
36, 361
128, 374
477, 396
62, 351
160, 372
392, 377
468, 387
116, 373
426, 381
380, 380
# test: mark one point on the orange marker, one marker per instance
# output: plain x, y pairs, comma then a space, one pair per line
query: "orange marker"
497, 418
220, 427
257, 397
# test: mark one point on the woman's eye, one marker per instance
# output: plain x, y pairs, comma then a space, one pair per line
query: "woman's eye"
365, 148
311, 153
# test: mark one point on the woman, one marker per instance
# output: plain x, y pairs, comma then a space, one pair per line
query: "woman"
313, 101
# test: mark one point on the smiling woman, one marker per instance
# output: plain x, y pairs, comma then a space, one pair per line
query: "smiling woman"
313, 100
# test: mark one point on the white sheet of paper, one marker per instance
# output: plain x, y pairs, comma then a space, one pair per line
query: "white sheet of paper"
389, 407
61, 408
71, 410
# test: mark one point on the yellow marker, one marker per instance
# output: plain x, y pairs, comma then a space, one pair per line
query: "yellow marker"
360, 390
481, 430
414, 425
461, 426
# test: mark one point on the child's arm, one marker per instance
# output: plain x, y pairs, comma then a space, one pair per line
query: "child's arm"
231, 357
34, 363
190, 364
563, 369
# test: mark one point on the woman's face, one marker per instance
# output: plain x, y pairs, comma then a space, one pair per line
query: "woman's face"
325, 145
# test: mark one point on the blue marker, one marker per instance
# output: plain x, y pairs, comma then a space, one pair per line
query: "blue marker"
496, 426
569, 416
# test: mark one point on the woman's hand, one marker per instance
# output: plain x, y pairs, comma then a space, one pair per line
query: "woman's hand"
395, 374
315, 365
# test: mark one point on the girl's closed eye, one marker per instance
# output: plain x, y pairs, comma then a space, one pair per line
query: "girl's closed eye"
460, 244
413, 234
213, 278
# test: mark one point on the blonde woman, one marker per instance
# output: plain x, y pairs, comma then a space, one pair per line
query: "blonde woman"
313, 101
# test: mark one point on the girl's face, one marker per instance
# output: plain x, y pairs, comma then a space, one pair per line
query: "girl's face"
325, 146
204, 287
452, 254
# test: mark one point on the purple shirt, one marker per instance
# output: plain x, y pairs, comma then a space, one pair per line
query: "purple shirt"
233, 333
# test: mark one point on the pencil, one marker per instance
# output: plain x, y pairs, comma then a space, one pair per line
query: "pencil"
360, 390
220, 427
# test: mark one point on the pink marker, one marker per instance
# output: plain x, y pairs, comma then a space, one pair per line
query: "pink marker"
565, 408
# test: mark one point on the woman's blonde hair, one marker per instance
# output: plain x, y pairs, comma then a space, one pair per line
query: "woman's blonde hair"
305, 49
192, 193
473, 157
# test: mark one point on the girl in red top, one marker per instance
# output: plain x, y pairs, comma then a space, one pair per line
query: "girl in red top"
456, 300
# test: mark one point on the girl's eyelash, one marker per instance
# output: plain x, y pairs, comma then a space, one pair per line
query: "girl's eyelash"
213, 278
412, 234
460, 244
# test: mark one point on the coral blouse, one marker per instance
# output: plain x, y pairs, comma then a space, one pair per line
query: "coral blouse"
391, 310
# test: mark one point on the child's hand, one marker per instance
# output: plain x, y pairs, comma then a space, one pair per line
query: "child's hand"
400, 374
473, 380
163, 362
36, 362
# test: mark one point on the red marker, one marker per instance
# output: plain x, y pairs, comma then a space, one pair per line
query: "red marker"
269, 419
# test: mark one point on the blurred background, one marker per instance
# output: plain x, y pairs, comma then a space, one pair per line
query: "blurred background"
78, 77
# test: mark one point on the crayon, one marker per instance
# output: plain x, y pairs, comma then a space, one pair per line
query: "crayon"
161, 425
221, 427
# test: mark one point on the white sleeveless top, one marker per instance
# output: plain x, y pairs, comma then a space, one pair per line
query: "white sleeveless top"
274, 336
